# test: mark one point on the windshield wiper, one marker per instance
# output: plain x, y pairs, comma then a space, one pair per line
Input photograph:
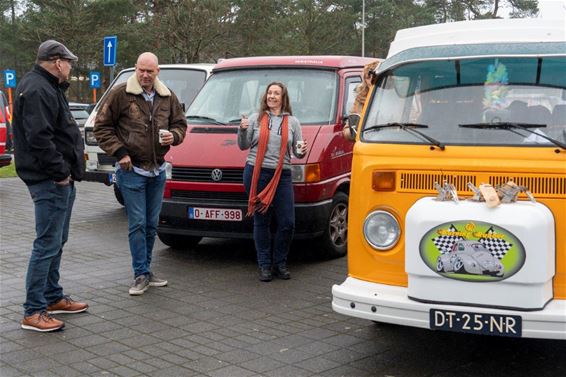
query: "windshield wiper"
514, 125
214, 121
237, 120
410, 128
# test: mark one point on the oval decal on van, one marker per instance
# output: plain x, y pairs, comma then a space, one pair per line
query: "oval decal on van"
473, 251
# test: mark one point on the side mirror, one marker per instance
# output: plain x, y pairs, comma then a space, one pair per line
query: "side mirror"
351, 126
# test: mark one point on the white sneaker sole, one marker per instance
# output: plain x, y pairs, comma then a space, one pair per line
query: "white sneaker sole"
32, 328
160, 284
135, 292
67, 311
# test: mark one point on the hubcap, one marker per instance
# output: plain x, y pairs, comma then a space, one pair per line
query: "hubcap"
339, 224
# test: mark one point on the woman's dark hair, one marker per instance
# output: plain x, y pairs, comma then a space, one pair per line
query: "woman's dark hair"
285, 103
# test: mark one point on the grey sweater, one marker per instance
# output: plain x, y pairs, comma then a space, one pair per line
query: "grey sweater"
249, 138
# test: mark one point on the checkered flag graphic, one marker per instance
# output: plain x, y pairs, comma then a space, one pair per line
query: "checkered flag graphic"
444, 243
496, 246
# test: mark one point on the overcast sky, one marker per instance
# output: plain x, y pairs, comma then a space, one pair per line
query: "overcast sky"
552, 8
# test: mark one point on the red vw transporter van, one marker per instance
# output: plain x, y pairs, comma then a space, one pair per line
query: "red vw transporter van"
204, 193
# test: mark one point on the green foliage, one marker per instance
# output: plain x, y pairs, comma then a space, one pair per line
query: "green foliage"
190, 31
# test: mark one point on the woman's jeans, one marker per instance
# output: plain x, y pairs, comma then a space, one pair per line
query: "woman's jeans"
53, 206
142, 197
283, 207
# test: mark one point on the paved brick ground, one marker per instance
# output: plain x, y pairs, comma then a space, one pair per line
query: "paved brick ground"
215, 319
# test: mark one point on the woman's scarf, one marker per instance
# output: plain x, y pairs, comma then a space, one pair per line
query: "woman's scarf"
261, 201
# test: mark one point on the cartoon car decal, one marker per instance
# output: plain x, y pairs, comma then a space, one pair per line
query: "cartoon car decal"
472, 251
469, 257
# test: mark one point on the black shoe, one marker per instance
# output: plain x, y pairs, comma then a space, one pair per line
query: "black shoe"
265, 274
282, 272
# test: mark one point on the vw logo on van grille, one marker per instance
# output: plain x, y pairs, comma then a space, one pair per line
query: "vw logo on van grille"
216, 175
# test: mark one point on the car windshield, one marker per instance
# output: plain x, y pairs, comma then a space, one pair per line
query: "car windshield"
79, 114
484, 94
228, 95
185, 83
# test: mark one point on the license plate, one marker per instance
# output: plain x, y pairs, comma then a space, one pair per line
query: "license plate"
216, 214
476, 323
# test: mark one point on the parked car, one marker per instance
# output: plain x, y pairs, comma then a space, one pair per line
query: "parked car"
5, 131
80, 113
185, 80
469, 257
204, 195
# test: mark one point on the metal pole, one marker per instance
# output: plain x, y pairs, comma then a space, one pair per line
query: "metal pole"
363, 28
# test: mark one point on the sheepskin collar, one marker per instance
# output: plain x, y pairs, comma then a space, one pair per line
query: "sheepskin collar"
134, 87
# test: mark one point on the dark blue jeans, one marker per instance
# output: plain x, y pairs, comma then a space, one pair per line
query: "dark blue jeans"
283, 208
53, 206
142, 197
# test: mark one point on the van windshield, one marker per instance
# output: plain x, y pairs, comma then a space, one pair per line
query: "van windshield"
227, 95
185, 83
446, 94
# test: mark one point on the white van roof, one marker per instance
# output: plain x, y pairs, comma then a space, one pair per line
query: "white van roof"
479, 32
479, 38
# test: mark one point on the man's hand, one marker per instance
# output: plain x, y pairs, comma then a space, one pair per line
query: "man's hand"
126, 163
166, 137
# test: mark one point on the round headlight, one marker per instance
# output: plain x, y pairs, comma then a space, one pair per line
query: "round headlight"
381, 230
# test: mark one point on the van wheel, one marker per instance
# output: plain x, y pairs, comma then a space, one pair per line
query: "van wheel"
118, 194
335, 238
178, 241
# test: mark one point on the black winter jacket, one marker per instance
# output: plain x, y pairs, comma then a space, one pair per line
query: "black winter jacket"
47, 141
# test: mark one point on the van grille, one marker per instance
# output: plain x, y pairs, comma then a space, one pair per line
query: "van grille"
205, 175
423, 182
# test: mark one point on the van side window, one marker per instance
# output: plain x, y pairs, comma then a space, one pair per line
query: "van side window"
350, 93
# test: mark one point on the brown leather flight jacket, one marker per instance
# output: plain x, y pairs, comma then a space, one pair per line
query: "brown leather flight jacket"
127, 124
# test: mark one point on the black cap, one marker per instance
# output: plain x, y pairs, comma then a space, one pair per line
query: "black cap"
51, 49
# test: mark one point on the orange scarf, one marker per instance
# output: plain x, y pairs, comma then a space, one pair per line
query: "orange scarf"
261, 201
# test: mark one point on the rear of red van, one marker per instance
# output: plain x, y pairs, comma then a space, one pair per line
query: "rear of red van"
204, 194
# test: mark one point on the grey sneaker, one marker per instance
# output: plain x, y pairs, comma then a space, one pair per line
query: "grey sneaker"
154, 281
140, 285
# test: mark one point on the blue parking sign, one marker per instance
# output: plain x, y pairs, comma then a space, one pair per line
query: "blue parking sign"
94, 79
10, 78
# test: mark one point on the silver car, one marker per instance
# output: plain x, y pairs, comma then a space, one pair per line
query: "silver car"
469, 257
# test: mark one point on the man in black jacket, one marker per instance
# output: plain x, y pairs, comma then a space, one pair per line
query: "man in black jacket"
49, 158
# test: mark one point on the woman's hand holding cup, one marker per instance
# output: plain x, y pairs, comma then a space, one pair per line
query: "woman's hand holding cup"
301, 147
244, 122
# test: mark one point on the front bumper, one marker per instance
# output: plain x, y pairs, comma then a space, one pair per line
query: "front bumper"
311, 220
5, 159
390, 304
98, 176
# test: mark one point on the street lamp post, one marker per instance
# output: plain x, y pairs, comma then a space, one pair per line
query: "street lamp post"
363, 28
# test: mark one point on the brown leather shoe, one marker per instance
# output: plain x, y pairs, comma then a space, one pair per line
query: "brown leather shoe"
67, 306
42, 322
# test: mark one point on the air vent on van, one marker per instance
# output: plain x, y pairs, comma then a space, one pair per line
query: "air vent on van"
206, 175
551, 186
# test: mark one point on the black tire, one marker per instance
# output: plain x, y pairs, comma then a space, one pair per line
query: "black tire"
118, 194
459, 266
179, 241
439, 265
335, 238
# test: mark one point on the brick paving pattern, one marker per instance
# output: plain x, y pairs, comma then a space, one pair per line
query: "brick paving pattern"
215, 318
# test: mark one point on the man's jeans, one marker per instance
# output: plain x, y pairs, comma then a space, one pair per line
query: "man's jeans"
142, 197
283, 207
53, 206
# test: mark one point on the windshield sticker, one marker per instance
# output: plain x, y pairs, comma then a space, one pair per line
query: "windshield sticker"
472, 251
495, 86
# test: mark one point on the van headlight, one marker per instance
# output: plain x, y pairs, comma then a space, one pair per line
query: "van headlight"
381, 230
168, 170
89, 137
